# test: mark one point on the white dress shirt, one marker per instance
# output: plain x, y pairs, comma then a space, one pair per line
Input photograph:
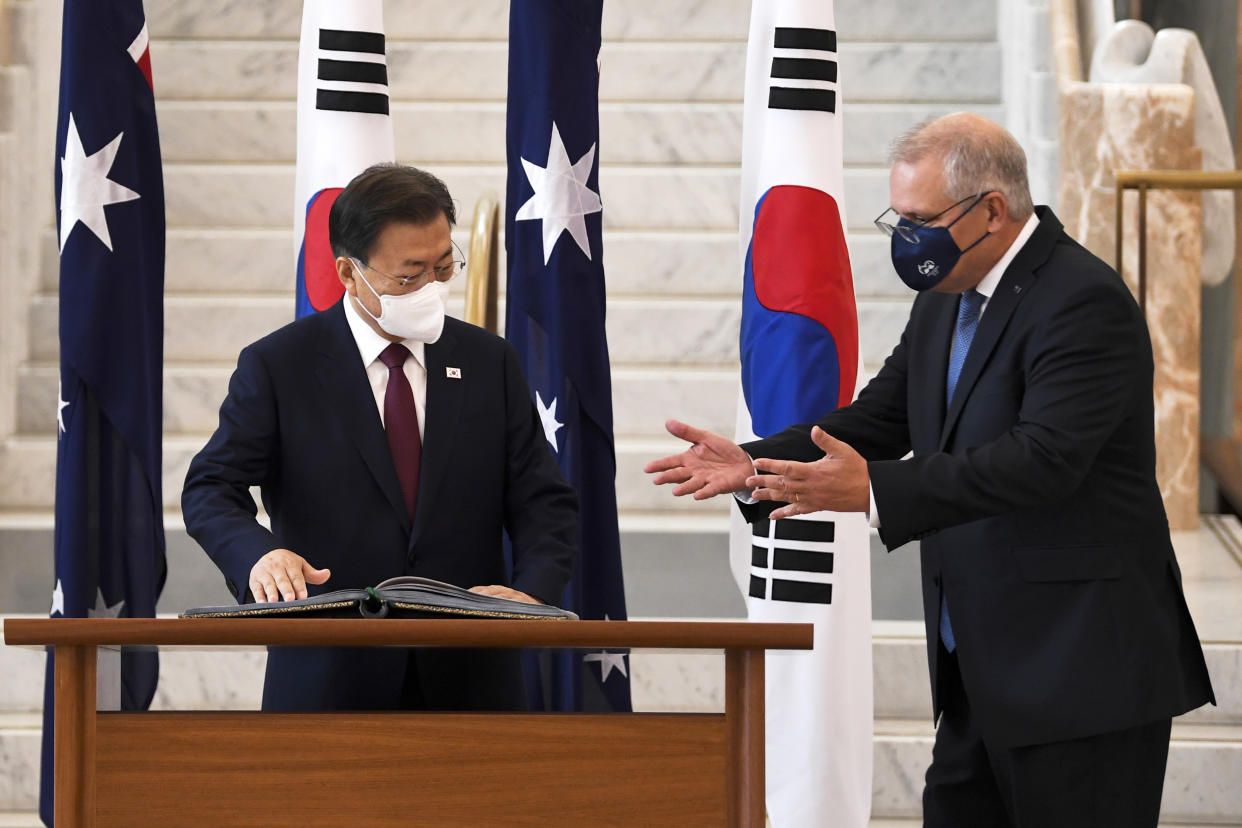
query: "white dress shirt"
370, 345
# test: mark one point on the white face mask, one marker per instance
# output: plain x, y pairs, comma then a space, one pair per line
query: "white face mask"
418, 316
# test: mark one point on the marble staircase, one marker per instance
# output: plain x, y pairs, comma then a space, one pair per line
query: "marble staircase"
671, 82
1205, 759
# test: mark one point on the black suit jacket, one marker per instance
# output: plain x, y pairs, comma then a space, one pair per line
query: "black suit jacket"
300, 421
1035, 497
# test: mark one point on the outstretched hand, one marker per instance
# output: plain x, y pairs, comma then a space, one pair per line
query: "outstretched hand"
712, 465
838, 482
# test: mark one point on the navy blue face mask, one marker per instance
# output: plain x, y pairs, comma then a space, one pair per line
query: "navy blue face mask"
923, 256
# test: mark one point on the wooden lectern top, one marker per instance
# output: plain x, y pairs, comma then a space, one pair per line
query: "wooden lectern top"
362, 632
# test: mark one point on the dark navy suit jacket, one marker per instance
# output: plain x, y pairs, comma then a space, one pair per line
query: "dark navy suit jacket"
1034, 495
300, 422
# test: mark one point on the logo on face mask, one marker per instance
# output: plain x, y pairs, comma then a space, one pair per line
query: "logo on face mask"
928, 268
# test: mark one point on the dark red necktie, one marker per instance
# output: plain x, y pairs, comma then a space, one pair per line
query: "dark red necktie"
401, 423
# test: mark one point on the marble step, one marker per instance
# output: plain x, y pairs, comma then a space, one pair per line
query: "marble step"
1200, 782
20, 746
255, 196
631, 20
202, 679
674, 133
29, 463
653, 332
643, 398
239, 262
462, 70
20, 819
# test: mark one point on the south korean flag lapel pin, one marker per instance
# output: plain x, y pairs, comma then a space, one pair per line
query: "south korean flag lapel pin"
452, 373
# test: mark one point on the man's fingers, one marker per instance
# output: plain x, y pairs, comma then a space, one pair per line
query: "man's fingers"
298, 582
314, 576
678, 475
788, 511
775, 482
284, 584
689, 486
831, 445
685, 431
708, 491
266, 589
781, 468
663, 464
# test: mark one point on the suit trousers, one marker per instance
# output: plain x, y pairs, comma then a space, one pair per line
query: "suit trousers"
1101, 781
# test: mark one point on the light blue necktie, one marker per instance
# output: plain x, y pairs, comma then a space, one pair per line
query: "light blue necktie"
967, 323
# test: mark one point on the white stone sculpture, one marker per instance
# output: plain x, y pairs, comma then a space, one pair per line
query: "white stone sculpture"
1132, 53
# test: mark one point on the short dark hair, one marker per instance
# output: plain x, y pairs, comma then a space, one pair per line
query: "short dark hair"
380, 195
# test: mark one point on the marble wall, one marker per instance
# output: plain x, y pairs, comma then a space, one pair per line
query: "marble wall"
1030, 89
1131, 126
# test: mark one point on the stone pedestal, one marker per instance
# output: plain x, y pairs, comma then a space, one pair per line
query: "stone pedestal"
1121, 127
1132, 126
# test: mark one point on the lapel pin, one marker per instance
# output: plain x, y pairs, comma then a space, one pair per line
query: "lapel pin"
1017, 288
452, 373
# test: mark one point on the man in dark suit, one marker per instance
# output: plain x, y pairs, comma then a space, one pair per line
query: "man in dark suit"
387, 440
1059, 641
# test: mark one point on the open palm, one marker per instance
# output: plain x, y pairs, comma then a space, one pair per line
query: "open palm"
712, 465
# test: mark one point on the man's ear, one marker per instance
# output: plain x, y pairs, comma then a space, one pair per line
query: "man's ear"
997, 208
346, 273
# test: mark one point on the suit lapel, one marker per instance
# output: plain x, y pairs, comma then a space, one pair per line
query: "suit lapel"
441, 413
1011, 289
348, 394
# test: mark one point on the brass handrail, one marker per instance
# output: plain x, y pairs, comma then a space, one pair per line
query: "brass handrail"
1144, 180
483, 264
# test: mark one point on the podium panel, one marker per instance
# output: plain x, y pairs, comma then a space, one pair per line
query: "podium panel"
407, 768
410, 769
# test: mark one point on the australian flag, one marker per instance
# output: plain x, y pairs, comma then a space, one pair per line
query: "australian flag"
109, 535
555, 311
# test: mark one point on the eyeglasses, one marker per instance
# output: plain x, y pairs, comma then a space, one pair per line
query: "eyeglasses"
441, 273
909, 230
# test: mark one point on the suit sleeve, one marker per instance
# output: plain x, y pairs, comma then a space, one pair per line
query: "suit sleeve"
875, 425
216, 501
541, 509
1085, 363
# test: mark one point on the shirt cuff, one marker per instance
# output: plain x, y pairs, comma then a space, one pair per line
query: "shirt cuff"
873, 516
748, 497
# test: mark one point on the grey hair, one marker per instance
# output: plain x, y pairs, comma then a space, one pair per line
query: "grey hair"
974, 160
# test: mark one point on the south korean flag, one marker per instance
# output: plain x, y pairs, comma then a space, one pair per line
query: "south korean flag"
343, 127
800, 360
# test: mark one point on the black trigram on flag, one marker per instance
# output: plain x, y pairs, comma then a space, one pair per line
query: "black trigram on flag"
353, 75
807, 56
790, 560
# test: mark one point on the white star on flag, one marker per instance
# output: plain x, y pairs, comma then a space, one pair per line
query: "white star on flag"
547, 416
61, 405
58, 600
562, 197
85, 188
101, 608
607, 661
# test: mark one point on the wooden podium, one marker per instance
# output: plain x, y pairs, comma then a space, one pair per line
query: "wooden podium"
407, 768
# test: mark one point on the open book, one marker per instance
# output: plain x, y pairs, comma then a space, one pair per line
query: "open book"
404, 597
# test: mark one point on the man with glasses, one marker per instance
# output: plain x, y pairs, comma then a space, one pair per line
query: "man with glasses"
387, 439
1011, 431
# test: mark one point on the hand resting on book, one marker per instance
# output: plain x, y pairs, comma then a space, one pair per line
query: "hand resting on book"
283, 575
498, 591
